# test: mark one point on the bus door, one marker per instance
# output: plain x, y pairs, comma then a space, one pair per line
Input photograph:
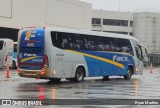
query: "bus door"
31, 49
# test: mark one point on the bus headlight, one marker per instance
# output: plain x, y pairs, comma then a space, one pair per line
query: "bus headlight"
137, 69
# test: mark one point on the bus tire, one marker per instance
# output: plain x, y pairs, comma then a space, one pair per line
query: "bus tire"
55, 80
80, 74
105, 78
129, 74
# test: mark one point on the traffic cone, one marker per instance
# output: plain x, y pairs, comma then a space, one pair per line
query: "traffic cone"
7, 72
151, 68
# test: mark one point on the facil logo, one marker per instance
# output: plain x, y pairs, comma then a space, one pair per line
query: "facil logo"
30, 34
29, 55
117, 58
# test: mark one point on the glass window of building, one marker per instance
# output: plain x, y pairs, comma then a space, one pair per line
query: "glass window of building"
96, 21
131, 23
126, 33
115, 22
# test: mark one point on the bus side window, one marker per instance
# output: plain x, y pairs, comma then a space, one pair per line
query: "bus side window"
91, 42
56, 39
78, 43
105, 43
124, 45
60, 40
115, 45
100, 44
64, 43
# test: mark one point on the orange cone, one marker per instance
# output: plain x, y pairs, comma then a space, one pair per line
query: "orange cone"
151, 68
7, 72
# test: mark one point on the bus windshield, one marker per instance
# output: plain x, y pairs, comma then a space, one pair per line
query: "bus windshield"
15, 47
1, 45
15, 51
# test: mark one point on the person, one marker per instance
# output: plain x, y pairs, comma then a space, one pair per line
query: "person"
125, 49
65, 44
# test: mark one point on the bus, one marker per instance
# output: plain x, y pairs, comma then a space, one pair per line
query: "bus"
14, 62
57, 53
6, 50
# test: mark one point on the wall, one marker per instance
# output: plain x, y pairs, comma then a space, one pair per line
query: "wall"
103, 14
147, 30
7, 6
61, 13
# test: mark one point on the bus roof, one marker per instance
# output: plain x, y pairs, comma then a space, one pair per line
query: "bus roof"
87, 32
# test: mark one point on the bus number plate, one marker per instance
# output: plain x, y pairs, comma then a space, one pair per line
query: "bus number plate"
30, 44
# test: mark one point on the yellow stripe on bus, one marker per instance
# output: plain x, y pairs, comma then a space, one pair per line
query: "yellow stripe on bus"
100, 58
29, 58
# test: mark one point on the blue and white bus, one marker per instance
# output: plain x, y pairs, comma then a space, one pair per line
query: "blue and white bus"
56, 53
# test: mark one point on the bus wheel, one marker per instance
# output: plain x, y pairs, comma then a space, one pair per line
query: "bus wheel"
54, 80
80, 73
129, 74
105, 78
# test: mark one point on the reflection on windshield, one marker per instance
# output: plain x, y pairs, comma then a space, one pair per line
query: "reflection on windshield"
41, 93
136, 87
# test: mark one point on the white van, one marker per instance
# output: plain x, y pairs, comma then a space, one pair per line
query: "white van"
6, 52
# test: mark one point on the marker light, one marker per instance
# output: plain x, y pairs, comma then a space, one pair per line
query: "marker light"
137, 69
54, 72
32, 27
21, 29
42, 73
45, 60
19, 71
